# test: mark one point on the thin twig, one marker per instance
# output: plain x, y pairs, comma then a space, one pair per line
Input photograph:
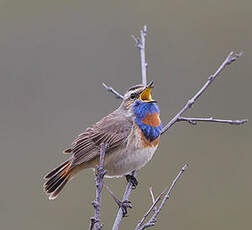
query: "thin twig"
229, 59
110, 191
152, 207
152, 195
193, 120
119, 203
141, 45
126, 196
143, 34
113, 91
95, 222
153, 219
153, 198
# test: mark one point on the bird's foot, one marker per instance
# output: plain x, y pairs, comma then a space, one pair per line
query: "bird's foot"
132, 180
124, 205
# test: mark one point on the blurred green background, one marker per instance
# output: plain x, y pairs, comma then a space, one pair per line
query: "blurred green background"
54, 55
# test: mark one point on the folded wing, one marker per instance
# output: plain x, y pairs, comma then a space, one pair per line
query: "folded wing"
113, 130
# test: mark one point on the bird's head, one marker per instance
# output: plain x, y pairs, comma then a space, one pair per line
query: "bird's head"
137, 94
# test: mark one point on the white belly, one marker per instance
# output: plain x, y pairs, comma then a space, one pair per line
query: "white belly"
125, 161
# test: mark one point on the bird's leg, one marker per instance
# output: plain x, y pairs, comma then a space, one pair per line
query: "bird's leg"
124, 205
130, 178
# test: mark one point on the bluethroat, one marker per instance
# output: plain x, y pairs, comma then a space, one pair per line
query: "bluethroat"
131, 134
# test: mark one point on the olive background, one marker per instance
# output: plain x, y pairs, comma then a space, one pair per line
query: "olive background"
54, 56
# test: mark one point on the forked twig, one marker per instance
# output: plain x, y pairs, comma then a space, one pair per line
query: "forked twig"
152, 195
178, 117
229, 59
140, 43
167, 190
152, 207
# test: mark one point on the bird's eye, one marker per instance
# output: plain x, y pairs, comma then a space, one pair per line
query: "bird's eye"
133, 95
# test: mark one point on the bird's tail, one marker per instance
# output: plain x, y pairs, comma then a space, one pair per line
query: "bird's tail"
57, 179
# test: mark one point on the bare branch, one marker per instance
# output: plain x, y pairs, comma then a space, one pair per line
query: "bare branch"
92, 223
229, 59
142, 55
137, 40
193, 121
153, 219
122, 205
152, 195
125, 197
95, 222
141, 45
110, 191
111, 90
152, 207
153, 198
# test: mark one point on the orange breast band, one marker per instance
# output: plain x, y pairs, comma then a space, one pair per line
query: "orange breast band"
152, 119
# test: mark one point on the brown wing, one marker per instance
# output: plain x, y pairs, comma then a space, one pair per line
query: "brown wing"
112, 130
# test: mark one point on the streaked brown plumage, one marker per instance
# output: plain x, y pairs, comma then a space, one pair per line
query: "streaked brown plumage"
127, 149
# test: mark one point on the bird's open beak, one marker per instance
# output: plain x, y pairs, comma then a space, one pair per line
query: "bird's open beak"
145, 96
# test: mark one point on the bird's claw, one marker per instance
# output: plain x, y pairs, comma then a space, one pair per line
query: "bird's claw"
132, 180
124, 205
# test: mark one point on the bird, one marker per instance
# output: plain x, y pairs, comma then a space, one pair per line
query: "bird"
131, 134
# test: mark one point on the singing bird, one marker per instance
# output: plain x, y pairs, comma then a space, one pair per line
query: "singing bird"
131, 134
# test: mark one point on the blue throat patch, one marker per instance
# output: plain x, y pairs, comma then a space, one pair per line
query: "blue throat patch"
141, 109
